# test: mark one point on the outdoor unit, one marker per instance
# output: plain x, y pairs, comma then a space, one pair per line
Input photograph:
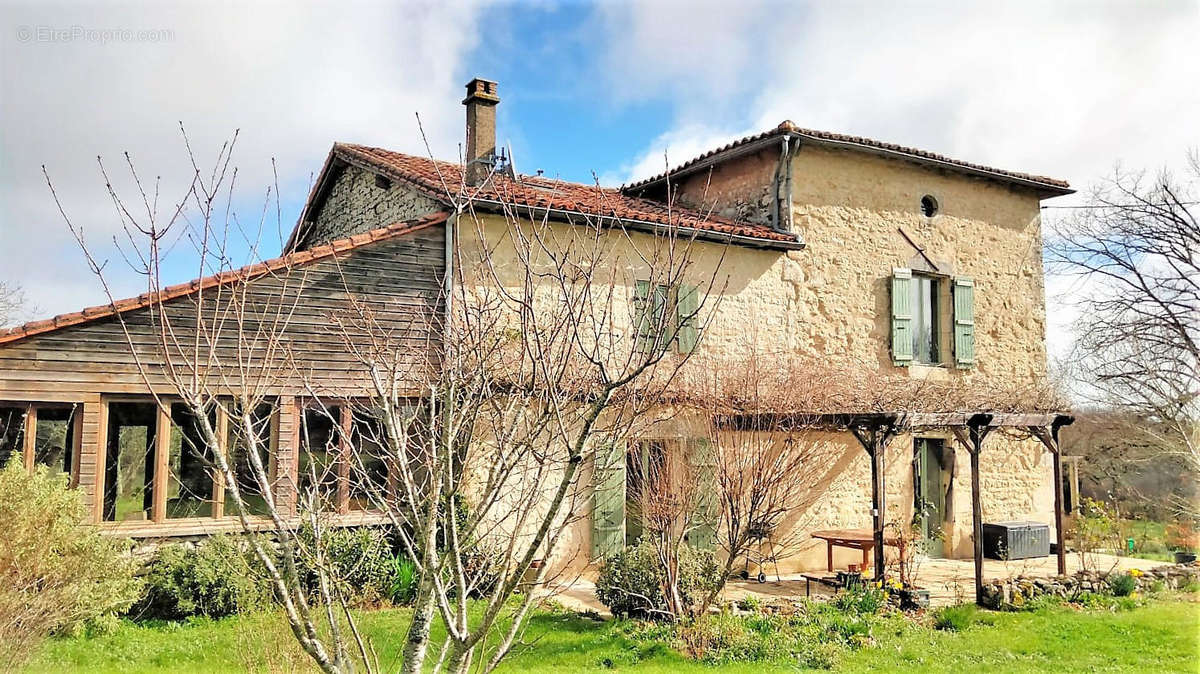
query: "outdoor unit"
1016, 540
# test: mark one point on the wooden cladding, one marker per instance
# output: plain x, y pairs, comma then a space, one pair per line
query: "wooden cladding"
312, 309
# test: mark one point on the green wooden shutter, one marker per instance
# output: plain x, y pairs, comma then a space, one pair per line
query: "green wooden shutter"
902, 311
964, 322
703, 459
643, 335
608, 500
685, 318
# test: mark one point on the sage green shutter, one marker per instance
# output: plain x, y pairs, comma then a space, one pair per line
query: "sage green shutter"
703, 459
685, 318
964, 322
902, 311
643, 336
608, 500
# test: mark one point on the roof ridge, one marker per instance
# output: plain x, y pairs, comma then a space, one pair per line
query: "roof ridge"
242, 274
435, 177
787, 126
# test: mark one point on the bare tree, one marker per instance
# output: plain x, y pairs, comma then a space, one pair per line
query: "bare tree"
532, 357
13, 304
1135, 250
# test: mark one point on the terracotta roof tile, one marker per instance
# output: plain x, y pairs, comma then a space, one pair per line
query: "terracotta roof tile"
243, 274
787, 127
439, 178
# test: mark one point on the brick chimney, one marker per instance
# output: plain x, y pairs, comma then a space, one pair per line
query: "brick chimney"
481, 103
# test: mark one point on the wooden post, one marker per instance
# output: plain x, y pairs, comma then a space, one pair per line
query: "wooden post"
1050, 440
162, 457
1060, 529
977, 512
977, 431
345, 425
29, 437
218, 495
878, 498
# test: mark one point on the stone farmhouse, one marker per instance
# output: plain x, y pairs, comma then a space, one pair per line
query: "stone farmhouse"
872, 256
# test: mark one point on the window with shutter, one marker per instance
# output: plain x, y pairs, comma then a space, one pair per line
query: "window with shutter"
964, 322
608, 500
703, 459
685, 318
902, 329
643, 334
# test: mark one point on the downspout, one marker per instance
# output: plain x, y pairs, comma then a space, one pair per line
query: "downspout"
448, 279
787, 181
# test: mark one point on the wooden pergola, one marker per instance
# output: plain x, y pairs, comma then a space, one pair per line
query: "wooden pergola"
876, 430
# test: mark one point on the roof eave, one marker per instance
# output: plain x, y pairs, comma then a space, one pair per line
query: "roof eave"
562, 215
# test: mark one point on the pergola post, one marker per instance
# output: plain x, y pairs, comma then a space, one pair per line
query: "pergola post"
977, 431
1050, 440
875, 439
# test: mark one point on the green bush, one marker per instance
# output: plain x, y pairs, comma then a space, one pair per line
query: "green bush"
404, 581
1122, 584
958, 617
362, 561
215, 578
861, 598
632, 581
57, 572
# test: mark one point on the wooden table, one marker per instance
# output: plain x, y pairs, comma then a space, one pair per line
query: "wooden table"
857, 539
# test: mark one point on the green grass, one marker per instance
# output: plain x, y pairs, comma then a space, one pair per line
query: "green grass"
1159, 637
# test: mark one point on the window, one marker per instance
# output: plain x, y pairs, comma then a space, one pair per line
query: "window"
129, 468
644, 467
929, 206
191, 489
320, 449
159, 466
924, 318
666, 316
42, 434
242, 445
368, 467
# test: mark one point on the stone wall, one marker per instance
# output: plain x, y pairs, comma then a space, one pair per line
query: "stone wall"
1014, 593
356, 204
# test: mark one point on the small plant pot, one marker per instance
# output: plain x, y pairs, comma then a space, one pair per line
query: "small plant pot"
911, 600
1184, 557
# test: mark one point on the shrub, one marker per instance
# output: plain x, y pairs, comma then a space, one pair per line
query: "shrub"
862, 598
56, 572
215, 578
404, 581
1122, 584
631, 582
956, 618
361, 560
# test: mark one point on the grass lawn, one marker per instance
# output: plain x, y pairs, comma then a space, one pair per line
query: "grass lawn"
1160, 637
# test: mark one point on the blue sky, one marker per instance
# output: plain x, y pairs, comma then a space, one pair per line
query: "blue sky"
1068, 89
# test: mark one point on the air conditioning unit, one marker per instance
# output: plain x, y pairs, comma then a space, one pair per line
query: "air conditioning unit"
1016, 540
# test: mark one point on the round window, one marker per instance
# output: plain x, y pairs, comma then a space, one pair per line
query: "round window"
929, 206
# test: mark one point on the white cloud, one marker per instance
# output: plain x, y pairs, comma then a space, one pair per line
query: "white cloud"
293, 78
1066, 90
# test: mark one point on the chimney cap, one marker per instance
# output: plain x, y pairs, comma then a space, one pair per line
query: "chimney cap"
483, 91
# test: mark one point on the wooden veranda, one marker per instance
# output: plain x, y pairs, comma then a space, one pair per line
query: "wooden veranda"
874, 431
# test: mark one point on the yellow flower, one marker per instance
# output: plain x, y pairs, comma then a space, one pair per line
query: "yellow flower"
1133, 595
1135, 572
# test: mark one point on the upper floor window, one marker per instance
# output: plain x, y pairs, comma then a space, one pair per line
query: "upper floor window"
665, 316
916, 333
924, 318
